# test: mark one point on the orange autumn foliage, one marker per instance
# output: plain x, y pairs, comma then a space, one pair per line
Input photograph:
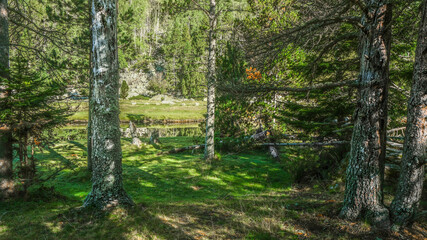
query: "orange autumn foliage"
252, 73
37, 143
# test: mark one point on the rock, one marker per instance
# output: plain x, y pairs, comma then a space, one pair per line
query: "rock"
168, 102
197, 104
126, 133
274, 153
205, 99
137, 142
134, 103
154, 139
137, 81
132, 129
183, 104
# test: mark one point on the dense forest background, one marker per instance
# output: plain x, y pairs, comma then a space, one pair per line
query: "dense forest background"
163, 49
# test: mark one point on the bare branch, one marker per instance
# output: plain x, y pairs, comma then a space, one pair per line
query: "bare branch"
200, 7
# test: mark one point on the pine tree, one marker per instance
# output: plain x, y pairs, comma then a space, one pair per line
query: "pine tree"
365, 173
124, 90
33, 112
184, 55
6, 158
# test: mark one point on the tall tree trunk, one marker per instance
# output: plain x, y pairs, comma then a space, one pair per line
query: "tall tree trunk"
211, 78
410, 186
365, 173
6, 156
89, 136
89, 125
106, 156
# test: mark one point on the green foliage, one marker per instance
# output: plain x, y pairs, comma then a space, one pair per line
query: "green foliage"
184, 51
133, 21
240, 115
140, 97
230, 112
310, 164
53, 35
159, 85
31, 104
31, 110
124, 90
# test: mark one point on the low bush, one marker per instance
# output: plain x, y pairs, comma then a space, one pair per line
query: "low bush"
308, 164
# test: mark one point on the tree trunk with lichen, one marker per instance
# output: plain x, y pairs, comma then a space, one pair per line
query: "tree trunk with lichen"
410, 186
89, 127
211, 78
106, 155
6, 171
365, 173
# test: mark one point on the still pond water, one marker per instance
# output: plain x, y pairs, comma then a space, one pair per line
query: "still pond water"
79, 131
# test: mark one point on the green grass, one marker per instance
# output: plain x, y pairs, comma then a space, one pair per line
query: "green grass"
152, 178
179, 196
149, 110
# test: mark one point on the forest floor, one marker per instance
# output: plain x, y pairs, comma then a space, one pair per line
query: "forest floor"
239, 196
153, 110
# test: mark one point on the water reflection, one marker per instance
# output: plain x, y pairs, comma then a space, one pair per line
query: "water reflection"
145, 132
79, 132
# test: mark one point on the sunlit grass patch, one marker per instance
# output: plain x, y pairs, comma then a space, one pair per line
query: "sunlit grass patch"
145, 109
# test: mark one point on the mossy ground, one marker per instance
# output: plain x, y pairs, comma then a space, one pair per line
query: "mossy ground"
179, 196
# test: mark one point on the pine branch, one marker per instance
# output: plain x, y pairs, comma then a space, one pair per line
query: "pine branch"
320, 86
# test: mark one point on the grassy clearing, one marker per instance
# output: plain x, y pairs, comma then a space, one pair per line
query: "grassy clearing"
150, 110
179, 196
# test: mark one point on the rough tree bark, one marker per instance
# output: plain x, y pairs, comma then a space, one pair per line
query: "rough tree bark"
106, 155
365, 173
89, 125
6, 157
410, 186
89, 136
211, 77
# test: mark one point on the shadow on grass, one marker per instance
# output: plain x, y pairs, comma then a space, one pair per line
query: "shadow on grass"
186, 199
180, 196
77, 223
219, 219
185, 177
79, 145
55, 155
253, 216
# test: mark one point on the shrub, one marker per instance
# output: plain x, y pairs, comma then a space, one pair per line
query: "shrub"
124, 90
140, 97
307, 164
